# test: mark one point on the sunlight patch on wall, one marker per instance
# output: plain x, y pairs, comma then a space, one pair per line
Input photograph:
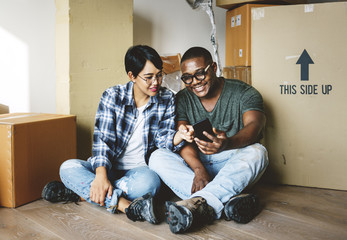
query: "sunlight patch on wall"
14, 74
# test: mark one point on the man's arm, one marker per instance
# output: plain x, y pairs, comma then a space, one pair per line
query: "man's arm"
253, 121
190, 154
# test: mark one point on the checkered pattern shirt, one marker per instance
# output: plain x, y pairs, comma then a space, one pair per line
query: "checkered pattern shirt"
115, 121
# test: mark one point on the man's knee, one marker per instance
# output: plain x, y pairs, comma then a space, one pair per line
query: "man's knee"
262, 154
258, 153
258, 159
156, 159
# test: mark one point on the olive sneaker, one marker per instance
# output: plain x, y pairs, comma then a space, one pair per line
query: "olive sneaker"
56, 191
242, 208
182, 215
142, 209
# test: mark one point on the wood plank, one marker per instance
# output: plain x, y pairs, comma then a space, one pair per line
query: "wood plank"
324, 208
269, 225
71, 221
288, 213
14, 225
222, 229
162, 230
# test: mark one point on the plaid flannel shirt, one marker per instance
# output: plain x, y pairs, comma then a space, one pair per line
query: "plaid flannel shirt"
115, 120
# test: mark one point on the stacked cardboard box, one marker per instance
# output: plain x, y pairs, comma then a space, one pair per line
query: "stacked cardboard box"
238, 42
239, 72
33, 146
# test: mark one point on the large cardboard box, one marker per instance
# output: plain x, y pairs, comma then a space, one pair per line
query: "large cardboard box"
299, 59
33, 146
238, 35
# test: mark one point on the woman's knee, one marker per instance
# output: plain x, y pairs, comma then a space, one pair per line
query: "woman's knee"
70, 166
143, 182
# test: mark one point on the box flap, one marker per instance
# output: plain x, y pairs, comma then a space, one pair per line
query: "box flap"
20, 118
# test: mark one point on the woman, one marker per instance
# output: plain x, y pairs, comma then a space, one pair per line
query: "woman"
131, 122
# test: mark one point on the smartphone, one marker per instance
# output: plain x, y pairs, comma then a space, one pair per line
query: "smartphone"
204, 125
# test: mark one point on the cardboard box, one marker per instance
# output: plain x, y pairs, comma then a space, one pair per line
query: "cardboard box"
299, 57
4, 109
171, 66
231, 4
238, 35
33, 146
241, 73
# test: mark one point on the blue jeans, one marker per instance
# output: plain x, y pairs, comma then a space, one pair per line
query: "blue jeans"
231, 172
77, 175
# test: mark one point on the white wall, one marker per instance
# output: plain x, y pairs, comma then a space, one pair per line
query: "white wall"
172, 26
27, 44
27, 55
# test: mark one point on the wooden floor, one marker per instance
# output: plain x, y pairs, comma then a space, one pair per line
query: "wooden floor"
288, 212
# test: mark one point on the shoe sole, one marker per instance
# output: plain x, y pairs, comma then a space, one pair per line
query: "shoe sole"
178, 217
244, 209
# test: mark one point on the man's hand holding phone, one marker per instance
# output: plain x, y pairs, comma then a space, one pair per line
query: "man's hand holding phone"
200, 127
208, 139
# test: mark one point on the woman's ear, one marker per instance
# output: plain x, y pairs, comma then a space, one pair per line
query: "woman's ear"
131, 76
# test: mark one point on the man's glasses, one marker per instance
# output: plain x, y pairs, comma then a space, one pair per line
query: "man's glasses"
150, 79
200, 75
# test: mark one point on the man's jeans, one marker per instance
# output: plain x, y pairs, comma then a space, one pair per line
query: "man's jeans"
77, 175
231, 172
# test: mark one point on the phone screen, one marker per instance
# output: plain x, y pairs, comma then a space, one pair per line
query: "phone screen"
204, 125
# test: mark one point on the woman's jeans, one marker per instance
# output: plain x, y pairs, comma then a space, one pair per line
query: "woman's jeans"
77, 175
230, 171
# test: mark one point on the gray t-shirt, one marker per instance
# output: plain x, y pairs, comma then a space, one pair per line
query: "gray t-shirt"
236, 98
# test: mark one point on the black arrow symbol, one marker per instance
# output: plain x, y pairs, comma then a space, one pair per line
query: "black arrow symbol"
304, 60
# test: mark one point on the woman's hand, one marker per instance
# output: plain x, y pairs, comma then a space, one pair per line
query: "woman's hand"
100, 187
186, 132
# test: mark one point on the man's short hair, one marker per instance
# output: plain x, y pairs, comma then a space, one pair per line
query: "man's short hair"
196, 52
136, 57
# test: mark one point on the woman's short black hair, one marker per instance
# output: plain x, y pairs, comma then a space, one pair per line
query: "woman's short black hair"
196, 52
136, 57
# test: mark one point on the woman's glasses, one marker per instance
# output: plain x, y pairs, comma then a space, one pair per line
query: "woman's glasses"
150, 79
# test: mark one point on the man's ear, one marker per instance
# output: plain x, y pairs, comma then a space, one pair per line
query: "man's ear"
214, 66
131, 76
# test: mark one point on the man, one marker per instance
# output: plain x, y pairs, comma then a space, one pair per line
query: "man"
210, 176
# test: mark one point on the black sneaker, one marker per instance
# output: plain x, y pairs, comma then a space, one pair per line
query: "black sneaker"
57, 192
142, 209
242, 208
182, 215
